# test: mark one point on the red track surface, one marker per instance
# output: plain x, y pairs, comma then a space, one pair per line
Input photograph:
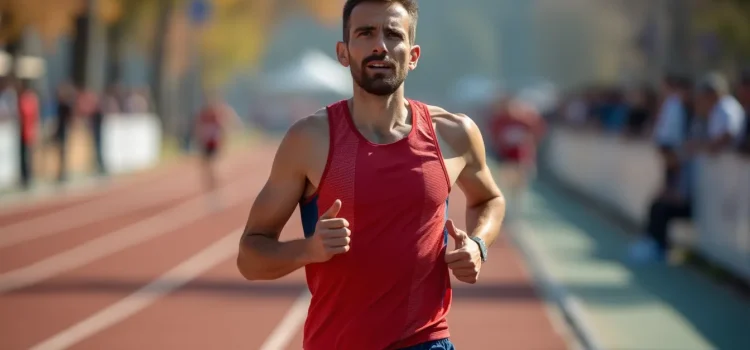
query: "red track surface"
146, 274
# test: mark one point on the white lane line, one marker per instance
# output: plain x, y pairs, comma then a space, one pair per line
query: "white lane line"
293, 320
56, 194
52, 194
94, 211
121, 239
188, 270
74, 217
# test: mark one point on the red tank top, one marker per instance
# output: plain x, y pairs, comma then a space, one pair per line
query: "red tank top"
515, 138
392, 289
209, 126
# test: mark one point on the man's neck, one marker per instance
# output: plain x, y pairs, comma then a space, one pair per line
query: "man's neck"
381, 113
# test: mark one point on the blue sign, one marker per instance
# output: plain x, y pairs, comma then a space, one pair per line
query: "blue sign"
199, 10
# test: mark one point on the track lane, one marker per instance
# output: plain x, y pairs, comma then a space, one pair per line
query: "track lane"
17, 211
111, 206
57, 303
28, 251
65, 299
218, 309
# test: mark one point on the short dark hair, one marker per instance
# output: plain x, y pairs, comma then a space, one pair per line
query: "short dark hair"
410, 5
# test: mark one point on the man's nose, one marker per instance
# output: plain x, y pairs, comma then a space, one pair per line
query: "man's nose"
379, 46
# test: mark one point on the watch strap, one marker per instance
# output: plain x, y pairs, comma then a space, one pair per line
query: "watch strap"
482, 247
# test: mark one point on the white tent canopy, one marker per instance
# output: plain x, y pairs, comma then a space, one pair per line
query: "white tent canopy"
313, 73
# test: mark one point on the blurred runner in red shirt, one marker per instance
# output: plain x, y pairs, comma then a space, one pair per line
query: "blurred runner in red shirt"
211, 126
28, 112
517, 129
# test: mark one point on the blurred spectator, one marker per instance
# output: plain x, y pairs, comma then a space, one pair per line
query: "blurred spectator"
137, 101
640, 104
576, 110
28, 112
66, 101
111, 100
95, 110
674, 115
612, 112
86, 102
672, 126
743, 95
674, 202
718, 127
723, 114
8, 100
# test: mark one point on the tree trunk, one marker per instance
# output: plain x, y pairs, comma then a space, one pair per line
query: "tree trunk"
158, 62
116, 40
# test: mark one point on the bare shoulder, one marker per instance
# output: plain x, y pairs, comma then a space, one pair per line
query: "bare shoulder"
305, 147
309, 130
457, 130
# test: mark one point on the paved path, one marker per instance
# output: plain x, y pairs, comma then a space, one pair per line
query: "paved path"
623, 307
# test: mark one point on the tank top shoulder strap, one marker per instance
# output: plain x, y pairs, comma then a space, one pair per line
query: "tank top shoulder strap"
423, 122
426, 138
338, 127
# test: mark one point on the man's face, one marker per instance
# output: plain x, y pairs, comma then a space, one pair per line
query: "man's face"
379, 53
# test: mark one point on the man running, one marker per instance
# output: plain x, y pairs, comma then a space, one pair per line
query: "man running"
372, 177
210, 128
516, 131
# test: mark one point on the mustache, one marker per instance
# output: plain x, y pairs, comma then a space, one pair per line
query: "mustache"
381, 57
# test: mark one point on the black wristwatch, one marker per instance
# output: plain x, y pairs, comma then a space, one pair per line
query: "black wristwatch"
482, 247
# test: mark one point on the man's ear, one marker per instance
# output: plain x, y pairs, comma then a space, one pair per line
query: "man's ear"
342, 53
414, 54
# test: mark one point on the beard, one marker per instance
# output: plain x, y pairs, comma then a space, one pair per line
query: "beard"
378, 84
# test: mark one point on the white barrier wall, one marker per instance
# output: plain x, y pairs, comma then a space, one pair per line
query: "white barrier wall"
722, 213
10, 163
131, 142
626, 174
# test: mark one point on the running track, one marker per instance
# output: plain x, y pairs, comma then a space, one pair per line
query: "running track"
149, 263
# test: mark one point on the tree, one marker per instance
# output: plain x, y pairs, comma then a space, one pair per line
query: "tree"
729, 22
51, 18
239, 30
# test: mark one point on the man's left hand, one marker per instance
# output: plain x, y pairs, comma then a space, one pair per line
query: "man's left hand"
466, 260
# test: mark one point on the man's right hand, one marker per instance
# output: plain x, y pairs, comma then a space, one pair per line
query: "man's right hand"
331, 236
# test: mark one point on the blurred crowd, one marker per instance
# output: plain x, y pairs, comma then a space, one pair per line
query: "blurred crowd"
682, 119
668, 113
49, 123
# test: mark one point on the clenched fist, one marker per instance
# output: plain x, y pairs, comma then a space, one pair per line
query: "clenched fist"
331, 236
466, 260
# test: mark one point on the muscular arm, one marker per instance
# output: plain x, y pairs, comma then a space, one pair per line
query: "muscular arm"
261, 256
485, 204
